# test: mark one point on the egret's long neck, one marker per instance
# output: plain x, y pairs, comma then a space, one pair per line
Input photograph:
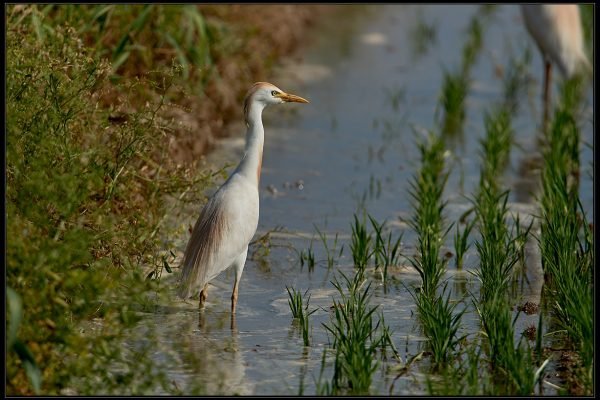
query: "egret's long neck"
251, 163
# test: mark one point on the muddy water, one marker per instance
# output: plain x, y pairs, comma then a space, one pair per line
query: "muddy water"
372, 94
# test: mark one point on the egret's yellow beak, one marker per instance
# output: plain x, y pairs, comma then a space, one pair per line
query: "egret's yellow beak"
292, 98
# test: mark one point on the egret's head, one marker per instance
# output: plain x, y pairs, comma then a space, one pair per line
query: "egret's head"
266, 94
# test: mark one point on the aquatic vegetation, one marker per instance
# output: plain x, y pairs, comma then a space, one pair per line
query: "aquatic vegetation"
308, 257
472, 46
300, 311
438, 316
497, 144
426, 190
566, 242
461, 244
387, 251
440, 324
330, 252
516, 82
455, 87
452, 99
499, 250
464, 376
361, 244
354, 338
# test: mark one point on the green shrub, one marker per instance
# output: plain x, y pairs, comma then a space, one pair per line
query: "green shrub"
84, 205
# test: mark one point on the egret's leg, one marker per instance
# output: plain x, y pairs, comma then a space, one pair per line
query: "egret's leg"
233, 325
239, 263
547, 87
203, 296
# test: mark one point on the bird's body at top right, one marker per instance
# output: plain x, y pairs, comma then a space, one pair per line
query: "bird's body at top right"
558, 33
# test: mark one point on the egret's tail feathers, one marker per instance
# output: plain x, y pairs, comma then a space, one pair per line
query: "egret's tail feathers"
184, 288
206, 237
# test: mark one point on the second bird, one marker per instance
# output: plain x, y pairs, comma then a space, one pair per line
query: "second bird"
229, 219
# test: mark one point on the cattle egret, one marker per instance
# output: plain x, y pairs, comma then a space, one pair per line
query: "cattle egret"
557, 31
229, 220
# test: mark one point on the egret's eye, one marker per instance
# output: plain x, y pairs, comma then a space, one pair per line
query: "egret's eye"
274, 93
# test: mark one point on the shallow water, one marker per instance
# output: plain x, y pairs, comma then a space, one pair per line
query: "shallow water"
353, 146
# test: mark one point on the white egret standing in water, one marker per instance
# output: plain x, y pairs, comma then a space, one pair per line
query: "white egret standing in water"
229, 220
557, 31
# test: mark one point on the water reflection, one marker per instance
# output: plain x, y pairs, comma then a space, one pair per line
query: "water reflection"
212, 355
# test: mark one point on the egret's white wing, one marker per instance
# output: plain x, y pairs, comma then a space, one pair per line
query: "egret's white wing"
225, 227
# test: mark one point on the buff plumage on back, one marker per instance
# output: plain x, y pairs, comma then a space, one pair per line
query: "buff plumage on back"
206, 237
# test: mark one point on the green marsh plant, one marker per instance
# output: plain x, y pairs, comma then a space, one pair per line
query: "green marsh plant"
440, 322
300, 312
566, 242
330, 252
361, 243
308, 257
387, 251
355, 337
461, 244
426, 190
499, 250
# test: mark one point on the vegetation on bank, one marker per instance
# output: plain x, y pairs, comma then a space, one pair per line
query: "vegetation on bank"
107, 107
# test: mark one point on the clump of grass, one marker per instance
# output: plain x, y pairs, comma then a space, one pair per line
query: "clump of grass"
461, 244
426, 192
473, 45
308, 257
440, 325
516, 364
438, 317
516, 82
387, 251
361, 244
353, 331
454, 93
330, 252
465, 376
497, 143
566, 242
300, 311
499, 250
455, 87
